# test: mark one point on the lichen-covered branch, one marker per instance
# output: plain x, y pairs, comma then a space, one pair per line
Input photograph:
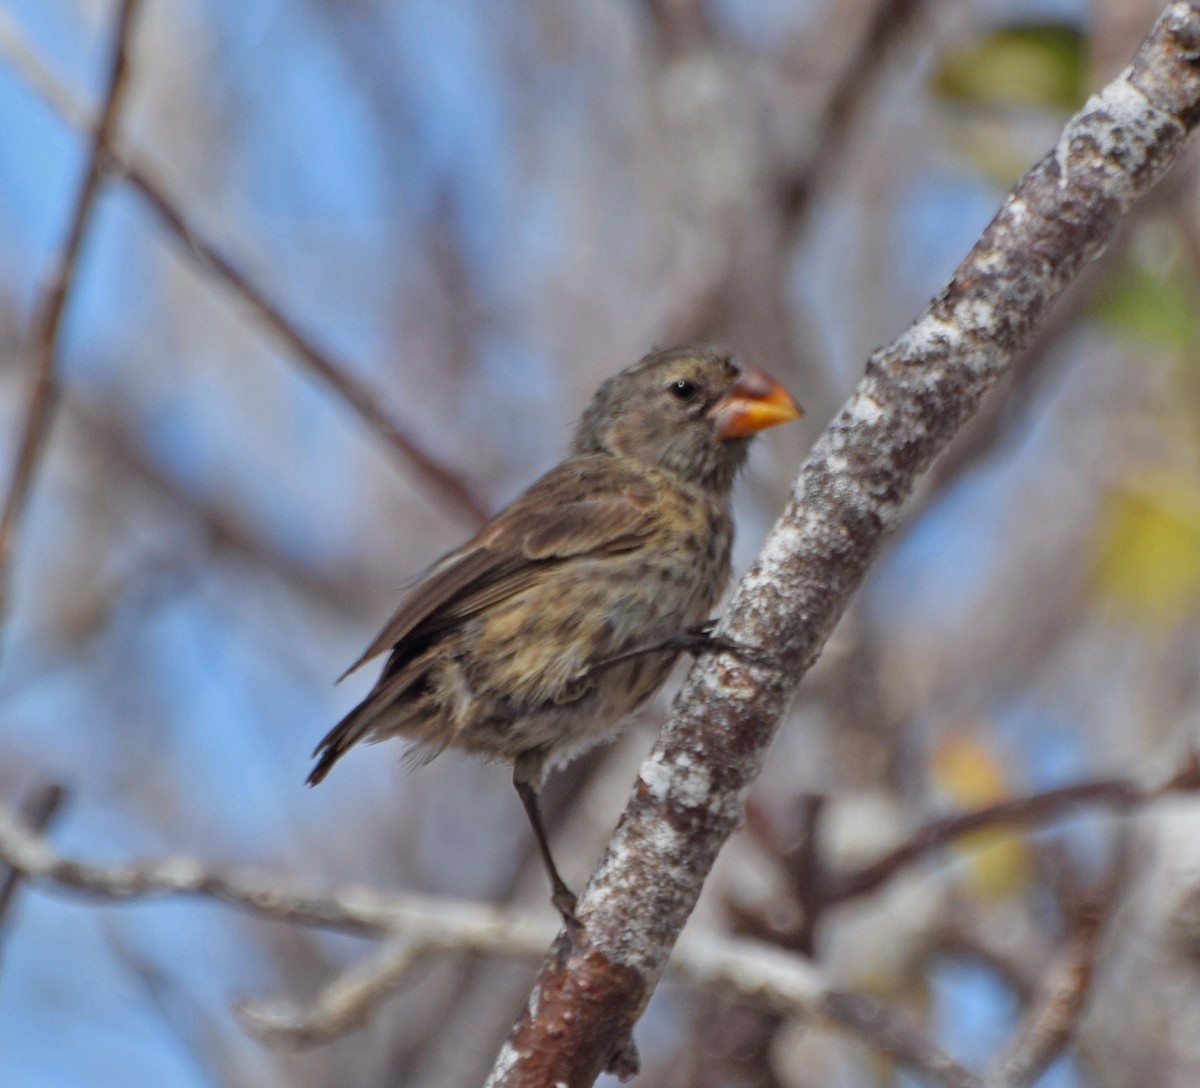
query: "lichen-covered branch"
915, 395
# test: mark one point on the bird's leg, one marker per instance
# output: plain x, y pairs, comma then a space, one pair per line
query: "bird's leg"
693, 640
700, 639
560, 895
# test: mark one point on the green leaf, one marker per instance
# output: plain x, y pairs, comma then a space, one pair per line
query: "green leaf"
1160, 306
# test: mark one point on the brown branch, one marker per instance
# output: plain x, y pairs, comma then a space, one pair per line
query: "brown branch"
965, 930
55, 294
681, 25
855, 88
892, 1035
221, 527
440, 480
1060, 1002
356, 911
816, 888
791, 188
915, 396
1033, 809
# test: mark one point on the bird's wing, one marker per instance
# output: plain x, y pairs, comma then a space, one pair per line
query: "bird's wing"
576, 509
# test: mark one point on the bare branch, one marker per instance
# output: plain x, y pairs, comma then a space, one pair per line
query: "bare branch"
342, 1006
221, 526
439, 479
894, 1036
1058, 1005
914, 397
856, 85
358, 911
39, 807
52, 303
414, 927
1035, 809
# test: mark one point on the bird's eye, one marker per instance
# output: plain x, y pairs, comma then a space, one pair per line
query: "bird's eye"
682, 389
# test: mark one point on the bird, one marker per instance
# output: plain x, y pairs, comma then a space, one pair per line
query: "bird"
536, 638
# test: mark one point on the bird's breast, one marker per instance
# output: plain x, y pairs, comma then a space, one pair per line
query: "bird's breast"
589, 609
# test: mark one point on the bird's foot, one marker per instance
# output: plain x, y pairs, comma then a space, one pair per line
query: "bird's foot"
691, 640
700, 640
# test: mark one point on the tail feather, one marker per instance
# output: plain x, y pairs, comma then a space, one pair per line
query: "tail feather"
339, 740
379, 713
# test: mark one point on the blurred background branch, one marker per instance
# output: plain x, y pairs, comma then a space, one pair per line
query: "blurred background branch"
52, 304
126, 164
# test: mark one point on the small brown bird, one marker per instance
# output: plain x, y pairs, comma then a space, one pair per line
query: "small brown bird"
536, 638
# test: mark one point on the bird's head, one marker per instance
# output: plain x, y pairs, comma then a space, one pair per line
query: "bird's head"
692, 411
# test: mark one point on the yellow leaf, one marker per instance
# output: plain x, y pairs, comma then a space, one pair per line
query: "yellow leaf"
999, 863
1147, 548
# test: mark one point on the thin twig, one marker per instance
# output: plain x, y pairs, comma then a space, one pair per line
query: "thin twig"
441, 480
357, 911
893, 1035
808, 871
221, 527
438, 478
1037, 808
39, 807
52, 302
341, 1007
1060, 1002
857, 83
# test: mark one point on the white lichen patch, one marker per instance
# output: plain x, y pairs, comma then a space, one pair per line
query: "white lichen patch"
930, 336
1018, 211
506, 1062
864, 408
1122, 124
656, 777
644, 858
975, 313
693, 782
838, 463
181, 873
687, 782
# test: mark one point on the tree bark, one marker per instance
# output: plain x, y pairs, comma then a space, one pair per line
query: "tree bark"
914, 397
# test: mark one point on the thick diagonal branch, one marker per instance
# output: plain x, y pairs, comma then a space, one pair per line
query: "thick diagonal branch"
914, 397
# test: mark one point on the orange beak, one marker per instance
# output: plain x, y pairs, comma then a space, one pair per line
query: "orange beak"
755, 403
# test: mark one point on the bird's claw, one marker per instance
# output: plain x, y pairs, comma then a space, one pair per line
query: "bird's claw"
702, 640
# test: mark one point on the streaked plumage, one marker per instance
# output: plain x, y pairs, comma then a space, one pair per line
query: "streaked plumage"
500, 647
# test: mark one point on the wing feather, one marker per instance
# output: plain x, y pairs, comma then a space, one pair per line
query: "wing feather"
585, 506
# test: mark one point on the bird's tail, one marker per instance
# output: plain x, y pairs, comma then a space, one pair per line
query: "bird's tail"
338, 741
377, 716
